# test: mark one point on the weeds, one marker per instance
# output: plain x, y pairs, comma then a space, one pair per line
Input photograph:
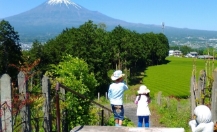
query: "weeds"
173, 112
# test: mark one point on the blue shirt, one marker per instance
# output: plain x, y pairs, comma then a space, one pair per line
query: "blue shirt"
116, 92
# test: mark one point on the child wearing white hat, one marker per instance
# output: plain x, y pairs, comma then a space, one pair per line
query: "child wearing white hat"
115, 95
142, 101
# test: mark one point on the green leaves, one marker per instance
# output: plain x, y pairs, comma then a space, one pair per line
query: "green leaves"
74, 73
10, 49
126, 122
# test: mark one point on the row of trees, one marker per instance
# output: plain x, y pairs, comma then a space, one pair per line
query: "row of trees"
102, 50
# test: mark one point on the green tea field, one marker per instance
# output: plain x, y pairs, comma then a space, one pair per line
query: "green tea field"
173, 78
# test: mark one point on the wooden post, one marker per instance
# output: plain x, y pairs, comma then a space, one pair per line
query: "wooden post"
64, 111
106, 95
46, 107
57, 107
24, 97
178, 106
192, 90
168, 101
159, 98
102, 117
214, 98
6, 104
201, 86
98, 96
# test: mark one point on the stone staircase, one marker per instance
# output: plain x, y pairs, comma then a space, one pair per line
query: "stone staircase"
123, 129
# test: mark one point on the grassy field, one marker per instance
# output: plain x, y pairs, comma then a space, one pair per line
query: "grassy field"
173, 78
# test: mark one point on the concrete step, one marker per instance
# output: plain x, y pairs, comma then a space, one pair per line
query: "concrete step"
123, 129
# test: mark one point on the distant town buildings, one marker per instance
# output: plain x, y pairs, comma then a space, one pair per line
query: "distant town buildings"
193, 54
171, 52
205, 57
25, 46
194, 42
175, 53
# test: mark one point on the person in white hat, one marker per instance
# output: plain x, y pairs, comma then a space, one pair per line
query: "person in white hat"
142, 101
115, 95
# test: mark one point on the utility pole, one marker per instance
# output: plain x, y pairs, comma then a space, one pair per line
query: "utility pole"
163, 27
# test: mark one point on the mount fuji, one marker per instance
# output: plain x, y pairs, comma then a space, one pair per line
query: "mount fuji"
53, 16
50, 18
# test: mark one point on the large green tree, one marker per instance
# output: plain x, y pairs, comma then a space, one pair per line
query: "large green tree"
162, 50
88, 42
74, 73
117, 42
10, 49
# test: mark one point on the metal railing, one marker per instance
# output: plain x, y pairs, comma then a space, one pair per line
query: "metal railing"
58, 86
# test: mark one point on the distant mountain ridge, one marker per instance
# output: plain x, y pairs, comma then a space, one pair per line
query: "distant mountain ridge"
50, 18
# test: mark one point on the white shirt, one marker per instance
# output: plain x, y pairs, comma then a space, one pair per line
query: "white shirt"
142, 106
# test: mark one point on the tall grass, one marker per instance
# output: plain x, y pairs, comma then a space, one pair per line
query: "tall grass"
173, 78
173, 112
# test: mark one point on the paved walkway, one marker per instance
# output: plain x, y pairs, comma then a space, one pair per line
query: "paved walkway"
130, 112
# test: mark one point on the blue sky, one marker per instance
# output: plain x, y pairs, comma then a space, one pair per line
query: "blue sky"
193, 14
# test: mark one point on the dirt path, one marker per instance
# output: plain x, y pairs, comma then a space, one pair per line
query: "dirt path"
130, 112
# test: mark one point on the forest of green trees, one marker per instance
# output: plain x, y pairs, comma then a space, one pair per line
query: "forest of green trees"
103, 51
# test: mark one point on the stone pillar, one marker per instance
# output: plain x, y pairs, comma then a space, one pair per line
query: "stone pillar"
46, 107
6, 104
24, 107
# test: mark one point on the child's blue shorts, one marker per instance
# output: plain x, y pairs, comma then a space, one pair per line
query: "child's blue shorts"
118, 111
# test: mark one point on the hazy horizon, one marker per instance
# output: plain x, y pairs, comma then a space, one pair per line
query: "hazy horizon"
176, 13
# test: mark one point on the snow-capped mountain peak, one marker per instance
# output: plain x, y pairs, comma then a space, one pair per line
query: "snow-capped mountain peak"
66, 2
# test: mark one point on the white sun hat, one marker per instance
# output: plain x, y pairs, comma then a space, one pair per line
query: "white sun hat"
143, 90
117, 74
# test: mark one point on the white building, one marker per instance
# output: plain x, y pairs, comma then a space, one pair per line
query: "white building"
171, 52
